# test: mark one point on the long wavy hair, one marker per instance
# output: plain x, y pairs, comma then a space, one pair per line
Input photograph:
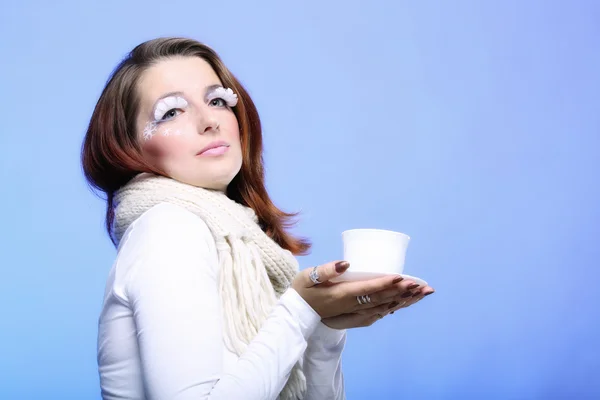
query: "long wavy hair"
111, 153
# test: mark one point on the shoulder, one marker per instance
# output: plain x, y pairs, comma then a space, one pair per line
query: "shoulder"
166, 243
168, 223
166, 236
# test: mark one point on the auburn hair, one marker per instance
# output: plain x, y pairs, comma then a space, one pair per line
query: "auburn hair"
111, 153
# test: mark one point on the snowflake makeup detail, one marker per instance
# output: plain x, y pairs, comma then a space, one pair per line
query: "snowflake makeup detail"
226, 94
169, 132
149, 130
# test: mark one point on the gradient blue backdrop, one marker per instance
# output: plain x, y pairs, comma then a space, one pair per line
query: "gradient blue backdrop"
473, 126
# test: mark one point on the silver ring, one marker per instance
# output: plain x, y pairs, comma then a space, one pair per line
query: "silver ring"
314, 276
366, 299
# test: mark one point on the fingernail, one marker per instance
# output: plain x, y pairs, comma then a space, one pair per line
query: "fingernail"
392, 312
406, 294
399, 279
417, 293
413, 286
393, 304
428, 293
341, 266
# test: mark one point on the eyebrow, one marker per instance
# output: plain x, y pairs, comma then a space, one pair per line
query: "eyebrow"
207, 90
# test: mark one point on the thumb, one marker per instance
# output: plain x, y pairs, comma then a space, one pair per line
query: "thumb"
327, 271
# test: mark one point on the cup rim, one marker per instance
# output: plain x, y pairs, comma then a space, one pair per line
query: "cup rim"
376, 230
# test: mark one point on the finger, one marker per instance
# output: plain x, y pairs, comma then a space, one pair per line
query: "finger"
401, 304
411, 285
386, 294
361, 288
351, 320
396, 289
420, 293
325, 272
413, 299
408, 296
399, 290
384, 309
427, 290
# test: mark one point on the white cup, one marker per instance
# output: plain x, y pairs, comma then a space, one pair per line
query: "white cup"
375, 251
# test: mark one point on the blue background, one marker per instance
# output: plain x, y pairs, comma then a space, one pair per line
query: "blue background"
473, 126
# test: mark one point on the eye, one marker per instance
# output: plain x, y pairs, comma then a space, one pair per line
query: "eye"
169, 107
218, 102
172, 113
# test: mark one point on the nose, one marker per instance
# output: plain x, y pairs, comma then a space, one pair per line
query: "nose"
207, 122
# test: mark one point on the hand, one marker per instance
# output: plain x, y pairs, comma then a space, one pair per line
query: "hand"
332, 299
390, 304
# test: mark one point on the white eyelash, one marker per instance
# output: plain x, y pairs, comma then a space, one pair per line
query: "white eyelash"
167, 104
226, 94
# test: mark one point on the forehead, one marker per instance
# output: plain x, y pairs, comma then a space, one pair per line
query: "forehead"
185, 74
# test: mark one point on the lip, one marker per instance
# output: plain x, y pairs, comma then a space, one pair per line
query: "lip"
213, 145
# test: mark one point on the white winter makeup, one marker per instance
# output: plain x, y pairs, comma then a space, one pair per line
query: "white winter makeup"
173, 104
222, 93
165, 109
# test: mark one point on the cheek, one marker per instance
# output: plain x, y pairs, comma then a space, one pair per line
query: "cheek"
232, 132
161, 148
168, 143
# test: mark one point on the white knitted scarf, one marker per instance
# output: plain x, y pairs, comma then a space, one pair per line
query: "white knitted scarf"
254, 270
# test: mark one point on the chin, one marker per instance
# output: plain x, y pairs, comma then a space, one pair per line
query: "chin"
214, 181
215, 176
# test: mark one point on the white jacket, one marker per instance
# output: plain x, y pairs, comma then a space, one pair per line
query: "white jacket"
160, 332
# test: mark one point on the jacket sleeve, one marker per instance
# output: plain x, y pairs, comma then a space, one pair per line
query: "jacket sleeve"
323, 364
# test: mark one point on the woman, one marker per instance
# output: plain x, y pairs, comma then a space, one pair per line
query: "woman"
205, 299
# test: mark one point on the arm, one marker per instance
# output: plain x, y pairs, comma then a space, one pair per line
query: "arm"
323, 364
173, 292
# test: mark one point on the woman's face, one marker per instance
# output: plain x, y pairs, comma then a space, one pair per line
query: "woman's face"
185, 123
